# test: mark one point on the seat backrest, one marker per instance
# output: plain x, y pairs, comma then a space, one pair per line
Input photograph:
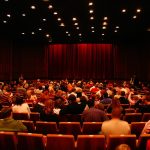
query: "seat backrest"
132, 117
146, 117
115, 140
143, 141
8, 141
69, 128
129, 110
137, 127
34, 116
91, 127
30, 125
30, 141
91, 142
60, 142
46, 127
20, 116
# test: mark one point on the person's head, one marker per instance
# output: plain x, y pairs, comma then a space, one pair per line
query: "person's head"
6, 112
122, 93
123, 147
49, 106
91, 103
19, 100
72, 98
116, 112
105, 95
115, 102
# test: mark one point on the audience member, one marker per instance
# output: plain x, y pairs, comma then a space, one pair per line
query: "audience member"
8, 123
93, 114
115, 125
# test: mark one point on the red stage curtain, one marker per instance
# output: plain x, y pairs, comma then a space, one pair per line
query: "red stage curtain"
81, 61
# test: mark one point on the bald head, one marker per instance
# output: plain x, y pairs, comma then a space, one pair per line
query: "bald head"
116, 112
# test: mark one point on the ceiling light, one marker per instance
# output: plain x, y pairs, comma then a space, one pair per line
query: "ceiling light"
93, 31
91, 18
105, 18
134, 17
33, 7
80, 34
50, 6
44, 19
91, 11
23, 33
23, 14
59, 19
32, 33
40, 29
67, 32
77, 28
117, 27
74, 19
4, 21
123, 10
45, 0
104, 23
47, 35
62, 24
55, 13
115, 31
6, 0
90, 3
69, 35
148, 29
8, 15
138, 10
75, 23
92, 27
104, 27
103, 34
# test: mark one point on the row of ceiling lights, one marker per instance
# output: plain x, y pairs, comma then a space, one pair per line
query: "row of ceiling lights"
74, 19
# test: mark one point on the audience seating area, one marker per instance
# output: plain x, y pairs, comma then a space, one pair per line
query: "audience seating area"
34, 141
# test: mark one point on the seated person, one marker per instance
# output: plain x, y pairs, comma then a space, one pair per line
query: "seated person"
115, 125
146, 129
8, 123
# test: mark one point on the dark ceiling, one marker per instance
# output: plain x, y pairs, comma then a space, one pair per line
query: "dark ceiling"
19, 21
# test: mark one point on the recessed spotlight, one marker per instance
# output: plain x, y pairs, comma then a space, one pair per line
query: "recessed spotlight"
44, 19
105, 18
67, 32
4, 21
32, 33
23, 33
91, 18
123, 10
55, 13
91, 11
23, 14
92, 27
50, 6
62, 24
33, 7
59, 19
90, 3
40, 29
77, 28
138, 10
115, 31
74, 19
47, 35
75, 23
104, 27
93, 31
6, 0
103, 34
104, 23
134, 17
50, 40
80, 34
8, 15
117, 27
